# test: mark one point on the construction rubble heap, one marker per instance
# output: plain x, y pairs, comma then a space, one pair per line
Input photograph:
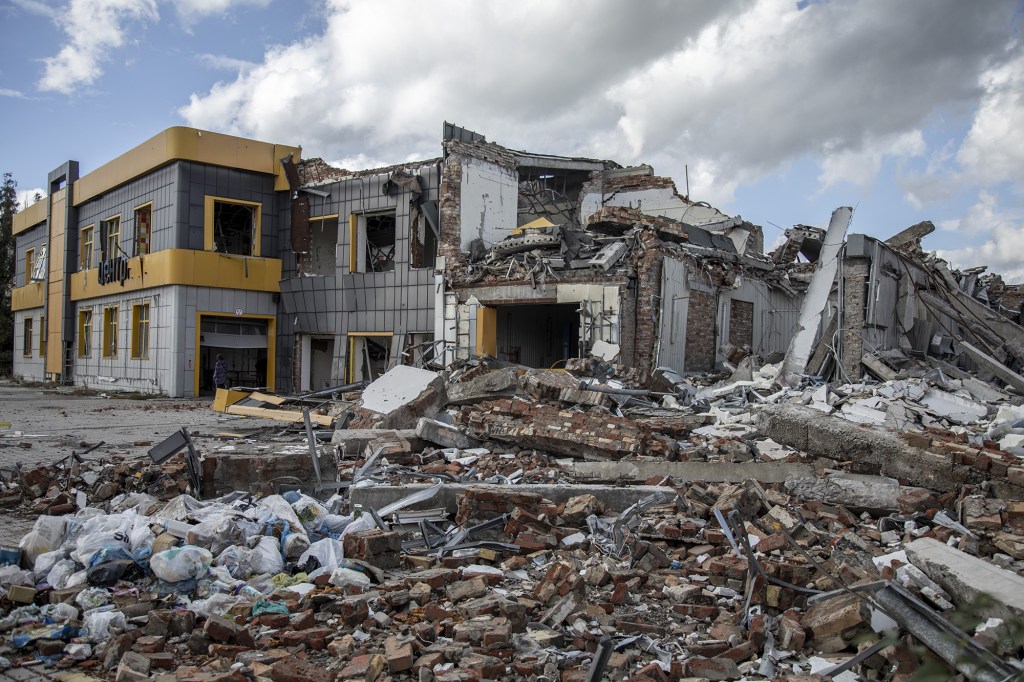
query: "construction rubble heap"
495, 522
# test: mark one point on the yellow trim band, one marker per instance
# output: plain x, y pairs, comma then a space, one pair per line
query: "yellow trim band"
32, 295
184, 267
30, 217
187, 144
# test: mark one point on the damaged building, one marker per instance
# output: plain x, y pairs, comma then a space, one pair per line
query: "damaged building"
306, 277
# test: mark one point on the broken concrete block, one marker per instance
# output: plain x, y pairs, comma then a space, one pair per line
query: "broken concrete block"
399, 398
501, 383
578, 508
875, 494
133, 667
380, 548
444, 435
987, 590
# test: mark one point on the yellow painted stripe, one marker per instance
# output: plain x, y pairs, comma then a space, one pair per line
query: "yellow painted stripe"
184, 267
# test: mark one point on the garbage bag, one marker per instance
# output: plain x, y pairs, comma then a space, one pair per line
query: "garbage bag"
97, 624
109, 572
91, 548
12, 575
216, 534
93, 598
237, 561
266, 557
58, 613
327, 553
181, 563
45, 562
58, 576
46, 536
310, 512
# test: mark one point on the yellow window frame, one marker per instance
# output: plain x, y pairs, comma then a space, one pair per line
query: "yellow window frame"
85, 333
111, 237
140, 331
86, 246
30, 260
110, 318
209, 243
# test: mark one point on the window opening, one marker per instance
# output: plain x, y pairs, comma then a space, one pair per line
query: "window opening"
109, 349
140, 330
42, 337
111, 245
30, 259
143, 230
321, 259
85, 252
26, 340
380, 242
84, 333
234, 228
423, 244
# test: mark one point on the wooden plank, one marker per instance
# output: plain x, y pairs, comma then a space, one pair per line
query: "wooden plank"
279, 415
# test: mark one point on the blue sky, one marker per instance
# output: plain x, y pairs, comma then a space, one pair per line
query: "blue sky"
781, 112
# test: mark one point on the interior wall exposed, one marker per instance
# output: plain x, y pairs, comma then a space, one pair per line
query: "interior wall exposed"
538, 335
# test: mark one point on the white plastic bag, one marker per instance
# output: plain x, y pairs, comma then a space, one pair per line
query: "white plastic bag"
181, 563
12, 575
266, 557
58, 576
328, 552
310, 512
237, 561
98, 623
346, 576
46, 536
45, 562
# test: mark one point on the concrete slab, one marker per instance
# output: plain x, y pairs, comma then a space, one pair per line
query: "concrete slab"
680, 472
614, 499
397, 387
992, 591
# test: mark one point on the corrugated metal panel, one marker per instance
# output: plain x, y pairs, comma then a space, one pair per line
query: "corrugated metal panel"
672, 341
776, 315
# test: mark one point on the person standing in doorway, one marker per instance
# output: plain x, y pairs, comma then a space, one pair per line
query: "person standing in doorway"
220, 372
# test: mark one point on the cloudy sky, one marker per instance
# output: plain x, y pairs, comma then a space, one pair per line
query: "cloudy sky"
781, 110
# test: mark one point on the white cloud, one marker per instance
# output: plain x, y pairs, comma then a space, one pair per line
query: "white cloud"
36, 7
994, 147
8, 92
860, 165
191, 11
734, 90
224, 63
1001, 243
26, 197
93, 29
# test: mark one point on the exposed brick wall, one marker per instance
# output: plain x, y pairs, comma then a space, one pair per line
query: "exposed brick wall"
645, 332
741, 323
450, 209
297, 364
700, 332
565, 432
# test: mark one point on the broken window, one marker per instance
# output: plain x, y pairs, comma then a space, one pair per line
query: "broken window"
368, 356
111, 244
321, 258
233, 227
85, 333
85, 248
144, 230
423, 243
30, 261
372, 242
109, 349
140, 330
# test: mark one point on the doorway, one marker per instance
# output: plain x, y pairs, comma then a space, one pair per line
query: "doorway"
368, 355
538, 335
316, 357
245, 342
